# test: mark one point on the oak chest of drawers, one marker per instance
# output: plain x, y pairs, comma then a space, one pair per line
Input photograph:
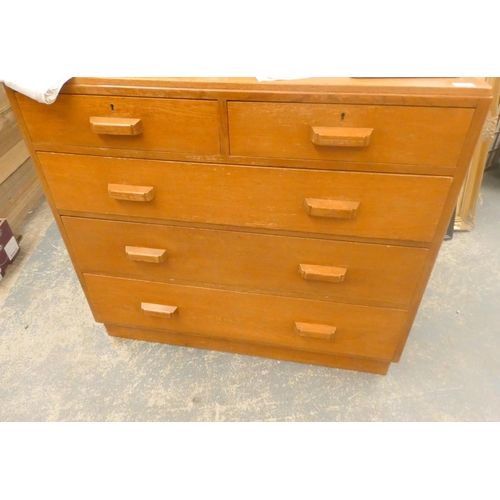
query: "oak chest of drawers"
292, 220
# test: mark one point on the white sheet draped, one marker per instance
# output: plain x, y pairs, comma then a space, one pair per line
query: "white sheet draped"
41, 88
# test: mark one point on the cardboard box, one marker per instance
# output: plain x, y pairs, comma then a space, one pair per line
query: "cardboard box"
8, 247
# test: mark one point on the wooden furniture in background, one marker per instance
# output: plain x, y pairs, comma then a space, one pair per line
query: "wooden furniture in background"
297, 220
467, 201
493, 159
20, 188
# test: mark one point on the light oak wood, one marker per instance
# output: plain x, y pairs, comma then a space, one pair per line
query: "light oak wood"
251, 349
380, 275
255, 161
402, 134
223, 129
325, 332
323, 273
464, 160
253, 230
286, 95
158, 310
244, 185
270, 320
141, 254
131, 193
422, 90
341, 137
268, 198
337, 209
174, 125
116, 126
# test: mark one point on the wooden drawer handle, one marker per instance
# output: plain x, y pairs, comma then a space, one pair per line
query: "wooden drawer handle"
116, 126
131, 193
331, 208
323, 273
142, 254
311, 330
341, 136
158, 310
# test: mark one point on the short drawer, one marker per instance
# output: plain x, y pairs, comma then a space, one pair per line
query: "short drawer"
385, 206
169, 125
359, 133
362, 273
268, 320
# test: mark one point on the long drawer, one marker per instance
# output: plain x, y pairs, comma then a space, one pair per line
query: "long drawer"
346, 132
268, 320
171, 125
385, 206
362, 273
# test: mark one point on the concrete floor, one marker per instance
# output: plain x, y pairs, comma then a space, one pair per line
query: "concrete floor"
58, 365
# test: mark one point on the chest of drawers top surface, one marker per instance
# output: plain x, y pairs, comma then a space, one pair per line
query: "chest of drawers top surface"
297, 220
461, 86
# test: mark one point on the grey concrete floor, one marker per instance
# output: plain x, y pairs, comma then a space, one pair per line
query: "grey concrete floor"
56, 364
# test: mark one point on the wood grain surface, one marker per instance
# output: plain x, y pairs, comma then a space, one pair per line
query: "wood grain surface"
375, 274
400, 134
176, 125
270, 198
251, 349
231, 254
361, 331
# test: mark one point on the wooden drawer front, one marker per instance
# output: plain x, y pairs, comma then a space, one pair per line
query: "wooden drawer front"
401, 135
364, 331
172, 125
374, 274
390, 206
